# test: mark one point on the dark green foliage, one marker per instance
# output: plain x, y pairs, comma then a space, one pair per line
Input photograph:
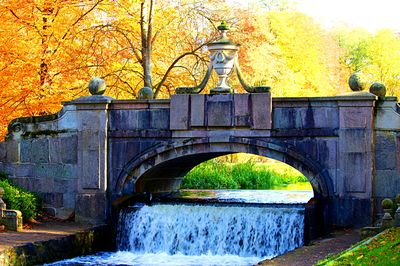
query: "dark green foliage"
3, 176
249, 175
18, 198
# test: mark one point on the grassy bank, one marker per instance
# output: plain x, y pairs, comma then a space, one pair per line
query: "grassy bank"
248, 175
382, 249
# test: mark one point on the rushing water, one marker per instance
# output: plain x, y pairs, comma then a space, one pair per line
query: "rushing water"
213, 234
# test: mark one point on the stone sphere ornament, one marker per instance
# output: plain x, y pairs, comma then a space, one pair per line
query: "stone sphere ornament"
97, 86
357, 82
145, 93
387, 204
378, 89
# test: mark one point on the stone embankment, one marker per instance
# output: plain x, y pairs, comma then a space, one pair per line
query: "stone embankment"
52, 241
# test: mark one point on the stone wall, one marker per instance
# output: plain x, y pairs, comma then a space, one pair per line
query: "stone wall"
42, 161
45, 155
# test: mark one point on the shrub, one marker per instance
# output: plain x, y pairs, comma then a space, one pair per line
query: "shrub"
18, 198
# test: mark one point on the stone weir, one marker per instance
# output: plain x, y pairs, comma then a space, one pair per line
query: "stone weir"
98, 151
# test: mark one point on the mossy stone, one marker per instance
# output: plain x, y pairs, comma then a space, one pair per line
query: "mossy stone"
387, 204
358, 82
378, 89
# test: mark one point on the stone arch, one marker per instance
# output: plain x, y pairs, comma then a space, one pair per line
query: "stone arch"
174, 159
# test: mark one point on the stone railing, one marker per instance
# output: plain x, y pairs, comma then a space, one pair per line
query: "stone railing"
11, 219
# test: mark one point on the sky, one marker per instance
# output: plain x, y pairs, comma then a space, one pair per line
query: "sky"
369, 14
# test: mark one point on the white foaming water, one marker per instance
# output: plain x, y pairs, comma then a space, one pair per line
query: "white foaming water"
197, 230
151, 259
188, 234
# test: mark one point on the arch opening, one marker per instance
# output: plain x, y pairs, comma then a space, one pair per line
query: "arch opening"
162, 168
241, 171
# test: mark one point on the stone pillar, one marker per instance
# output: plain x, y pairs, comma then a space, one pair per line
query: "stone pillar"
354, 186
92, 122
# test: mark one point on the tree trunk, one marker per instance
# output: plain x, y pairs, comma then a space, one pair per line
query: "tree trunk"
146, 21
44, 76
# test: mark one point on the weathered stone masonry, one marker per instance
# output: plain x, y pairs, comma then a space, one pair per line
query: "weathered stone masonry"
98, 150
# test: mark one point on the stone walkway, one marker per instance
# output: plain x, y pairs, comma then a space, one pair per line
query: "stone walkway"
40, 232
309, 255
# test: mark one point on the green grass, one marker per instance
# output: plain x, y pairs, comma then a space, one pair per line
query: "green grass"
380, 250
17, 198
248, 175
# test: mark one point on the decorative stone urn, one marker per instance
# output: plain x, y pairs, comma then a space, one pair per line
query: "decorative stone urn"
223, 54
223, 59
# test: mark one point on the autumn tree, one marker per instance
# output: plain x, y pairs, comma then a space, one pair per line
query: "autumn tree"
384, 53
376, 55
41, 56
172, 37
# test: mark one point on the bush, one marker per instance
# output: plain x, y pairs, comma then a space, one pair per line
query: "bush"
18, 198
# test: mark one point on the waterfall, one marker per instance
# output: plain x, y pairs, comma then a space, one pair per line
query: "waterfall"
194, 230
238, 228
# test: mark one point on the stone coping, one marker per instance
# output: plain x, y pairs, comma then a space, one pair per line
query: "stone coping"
359, 96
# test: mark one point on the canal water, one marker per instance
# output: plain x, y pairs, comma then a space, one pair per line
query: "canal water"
234, 227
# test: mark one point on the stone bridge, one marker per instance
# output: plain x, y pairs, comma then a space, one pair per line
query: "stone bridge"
98, 151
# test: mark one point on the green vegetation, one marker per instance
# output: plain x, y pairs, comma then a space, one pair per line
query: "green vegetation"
248, 175
18, 198
382, 249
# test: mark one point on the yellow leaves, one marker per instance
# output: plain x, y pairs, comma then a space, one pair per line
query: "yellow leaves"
360, 257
